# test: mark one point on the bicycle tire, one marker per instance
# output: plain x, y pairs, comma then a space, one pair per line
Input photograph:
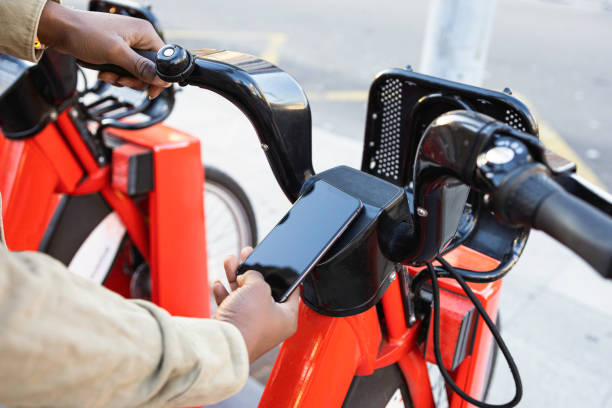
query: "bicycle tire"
78, 217
230, 220
385, 388
492, 359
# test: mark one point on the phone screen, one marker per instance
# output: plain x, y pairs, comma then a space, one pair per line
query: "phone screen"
301, 238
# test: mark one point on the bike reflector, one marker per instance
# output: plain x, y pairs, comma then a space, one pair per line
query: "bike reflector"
132, 169
458, 320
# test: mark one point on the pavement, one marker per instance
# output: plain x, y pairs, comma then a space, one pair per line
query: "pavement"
556, 311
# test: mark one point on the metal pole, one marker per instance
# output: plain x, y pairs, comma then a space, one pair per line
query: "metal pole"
457, 39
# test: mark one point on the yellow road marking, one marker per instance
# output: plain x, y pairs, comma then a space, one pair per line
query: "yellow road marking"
553, 141
271, 52
339, 96
275, 44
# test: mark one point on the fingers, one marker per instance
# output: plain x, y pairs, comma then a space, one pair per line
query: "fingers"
219, 292
230, 264
120, 81
109, 77
250, 277
291, 309
142, 68
293, 302
146, 38
132, 83
245, 252
154, 91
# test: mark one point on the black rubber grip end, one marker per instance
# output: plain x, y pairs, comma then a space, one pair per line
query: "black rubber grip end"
519, 197
579, 226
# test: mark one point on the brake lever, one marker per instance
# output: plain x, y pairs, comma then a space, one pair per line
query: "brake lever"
555, 163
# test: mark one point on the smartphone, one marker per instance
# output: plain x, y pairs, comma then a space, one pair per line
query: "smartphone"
301, 238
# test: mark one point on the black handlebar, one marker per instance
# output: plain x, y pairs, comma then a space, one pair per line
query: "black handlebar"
116, 69
532, 198
522, 195
510, 167
580, 227
272, 100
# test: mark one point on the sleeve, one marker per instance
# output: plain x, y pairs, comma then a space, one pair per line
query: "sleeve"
65, 341
19, 21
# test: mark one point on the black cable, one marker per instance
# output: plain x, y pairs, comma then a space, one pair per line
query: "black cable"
498, 339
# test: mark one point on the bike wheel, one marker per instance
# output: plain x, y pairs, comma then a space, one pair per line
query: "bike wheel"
492, 358
385, 388
230, 220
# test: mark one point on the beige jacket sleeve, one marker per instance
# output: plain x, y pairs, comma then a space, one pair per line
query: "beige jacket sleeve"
18, 27
65, 341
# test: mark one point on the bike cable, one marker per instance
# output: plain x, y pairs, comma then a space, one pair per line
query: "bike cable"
496, 335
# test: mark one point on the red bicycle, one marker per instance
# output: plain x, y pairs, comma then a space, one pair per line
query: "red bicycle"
89, 177
452, 179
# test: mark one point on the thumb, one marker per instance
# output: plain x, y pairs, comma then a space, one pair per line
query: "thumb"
292, 304
250, 277
141, 67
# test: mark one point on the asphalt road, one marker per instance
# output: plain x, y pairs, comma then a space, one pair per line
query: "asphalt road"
555, 53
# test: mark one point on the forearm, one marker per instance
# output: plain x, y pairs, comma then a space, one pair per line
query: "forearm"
68, 342
19, 21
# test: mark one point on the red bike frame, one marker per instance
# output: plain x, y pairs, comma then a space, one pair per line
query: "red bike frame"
315, 367
170, 233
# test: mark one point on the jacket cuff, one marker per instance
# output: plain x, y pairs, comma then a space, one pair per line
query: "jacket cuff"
224, 361
32, 11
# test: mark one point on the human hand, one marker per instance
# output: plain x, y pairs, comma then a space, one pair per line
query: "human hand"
251, 308
102, 38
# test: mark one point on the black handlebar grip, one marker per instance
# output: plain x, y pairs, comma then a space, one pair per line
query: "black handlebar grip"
530, 197
519, 196
116, 69
579, 226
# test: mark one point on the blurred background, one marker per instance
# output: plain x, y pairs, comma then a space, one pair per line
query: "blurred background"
556, 55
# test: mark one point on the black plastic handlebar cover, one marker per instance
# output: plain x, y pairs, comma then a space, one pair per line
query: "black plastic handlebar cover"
577, 225
273, 101
275, 104
532, 198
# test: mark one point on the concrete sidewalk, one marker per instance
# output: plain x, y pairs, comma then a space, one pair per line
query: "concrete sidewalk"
556, 311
